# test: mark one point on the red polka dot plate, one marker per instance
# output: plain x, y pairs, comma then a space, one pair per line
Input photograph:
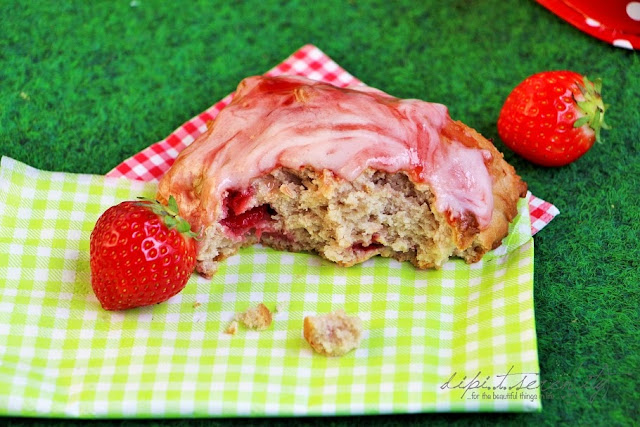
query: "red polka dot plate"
615, 21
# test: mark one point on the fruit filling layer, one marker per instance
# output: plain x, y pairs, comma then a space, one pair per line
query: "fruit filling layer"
241, 218
360, 248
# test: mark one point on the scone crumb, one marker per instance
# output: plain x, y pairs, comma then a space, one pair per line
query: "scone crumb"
232, 328
280, 307
196, 304
284, 189
333, 334
258, 317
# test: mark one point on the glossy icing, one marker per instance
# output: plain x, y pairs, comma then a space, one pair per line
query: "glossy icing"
293, 122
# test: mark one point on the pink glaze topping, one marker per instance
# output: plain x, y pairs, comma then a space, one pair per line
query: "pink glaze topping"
293, 122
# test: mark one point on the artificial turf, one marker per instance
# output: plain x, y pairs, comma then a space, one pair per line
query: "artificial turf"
84, 85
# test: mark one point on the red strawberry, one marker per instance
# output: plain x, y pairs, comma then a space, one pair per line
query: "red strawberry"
141, 253
552, 118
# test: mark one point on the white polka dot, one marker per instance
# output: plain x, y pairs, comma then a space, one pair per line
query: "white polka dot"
633, 10
626, 44
592, 22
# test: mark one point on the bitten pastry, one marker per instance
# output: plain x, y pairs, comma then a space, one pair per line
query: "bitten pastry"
347, 173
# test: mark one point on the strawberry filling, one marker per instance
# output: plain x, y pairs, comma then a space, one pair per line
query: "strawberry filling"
361, 248
238, 201
257, 218
241, 219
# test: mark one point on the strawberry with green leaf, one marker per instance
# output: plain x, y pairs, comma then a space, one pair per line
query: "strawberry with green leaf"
552, 118
141, 253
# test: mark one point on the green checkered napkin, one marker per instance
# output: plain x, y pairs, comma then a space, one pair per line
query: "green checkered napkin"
458, 339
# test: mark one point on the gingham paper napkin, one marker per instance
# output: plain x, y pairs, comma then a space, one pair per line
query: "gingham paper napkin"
458, 339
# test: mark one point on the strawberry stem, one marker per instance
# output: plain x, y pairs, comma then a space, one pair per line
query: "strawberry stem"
169, 214
591, 106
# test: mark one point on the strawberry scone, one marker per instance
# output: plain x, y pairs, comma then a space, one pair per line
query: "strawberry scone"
347, 173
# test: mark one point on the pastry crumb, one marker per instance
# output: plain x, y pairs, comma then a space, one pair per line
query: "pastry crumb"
333, 334
280, 307
232, 328
258, 317
284, 189
196, 304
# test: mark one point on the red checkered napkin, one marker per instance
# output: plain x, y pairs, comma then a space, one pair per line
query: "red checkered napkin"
309, 61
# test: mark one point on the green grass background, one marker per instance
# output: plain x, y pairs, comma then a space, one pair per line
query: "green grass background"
84, 85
